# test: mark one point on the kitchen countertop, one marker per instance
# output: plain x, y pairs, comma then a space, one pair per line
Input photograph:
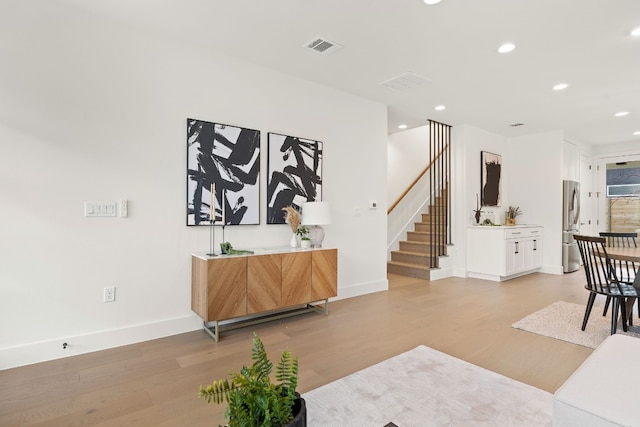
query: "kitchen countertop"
505, 226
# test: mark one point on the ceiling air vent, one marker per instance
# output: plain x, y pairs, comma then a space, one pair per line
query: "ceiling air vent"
323, 46
515, 125
405, 81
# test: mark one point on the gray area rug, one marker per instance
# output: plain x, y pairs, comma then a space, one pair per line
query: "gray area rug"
424, 387
563, 320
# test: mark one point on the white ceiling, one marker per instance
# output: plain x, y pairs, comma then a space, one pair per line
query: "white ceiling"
585, 43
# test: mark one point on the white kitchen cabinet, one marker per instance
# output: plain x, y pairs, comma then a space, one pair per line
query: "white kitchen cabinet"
501, 253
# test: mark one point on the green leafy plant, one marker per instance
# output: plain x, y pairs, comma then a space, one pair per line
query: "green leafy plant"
228, 249
303, 232
253, 400
513, 212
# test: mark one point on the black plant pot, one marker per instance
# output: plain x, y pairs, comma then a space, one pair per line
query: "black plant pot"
299, 413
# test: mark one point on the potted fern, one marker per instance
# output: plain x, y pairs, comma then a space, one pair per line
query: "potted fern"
253, 400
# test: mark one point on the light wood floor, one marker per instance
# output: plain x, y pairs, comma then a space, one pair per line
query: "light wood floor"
156, 383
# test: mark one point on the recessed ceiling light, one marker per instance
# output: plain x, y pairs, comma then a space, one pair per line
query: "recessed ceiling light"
560, 86
637, 132
622, 113
402, 126
432, 2
635, 32
506, 48
440, 108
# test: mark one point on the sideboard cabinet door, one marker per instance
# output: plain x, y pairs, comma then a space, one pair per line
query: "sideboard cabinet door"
296, 278
264, 276
324, 274
227, 288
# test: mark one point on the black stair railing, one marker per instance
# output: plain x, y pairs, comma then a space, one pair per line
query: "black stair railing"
439, 194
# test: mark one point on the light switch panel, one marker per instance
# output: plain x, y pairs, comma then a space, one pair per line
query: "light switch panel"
95, 209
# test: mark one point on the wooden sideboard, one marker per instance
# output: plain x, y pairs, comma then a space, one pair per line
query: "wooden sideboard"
261, 286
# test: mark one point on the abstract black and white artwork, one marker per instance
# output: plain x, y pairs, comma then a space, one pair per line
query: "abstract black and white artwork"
491, 183
225, 159
294, 174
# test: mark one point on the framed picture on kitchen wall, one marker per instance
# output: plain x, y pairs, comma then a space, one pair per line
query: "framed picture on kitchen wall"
491, 179
294, 174
223, 171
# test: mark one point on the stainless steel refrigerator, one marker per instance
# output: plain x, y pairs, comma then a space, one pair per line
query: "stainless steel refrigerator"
570, 222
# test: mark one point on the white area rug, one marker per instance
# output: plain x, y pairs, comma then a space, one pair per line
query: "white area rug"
563, 320
424, 387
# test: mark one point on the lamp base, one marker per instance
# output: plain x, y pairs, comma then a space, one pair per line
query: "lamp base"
316, 234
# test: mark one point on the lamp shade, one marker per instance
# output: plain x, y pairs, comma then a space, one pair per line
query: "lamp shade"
316, 213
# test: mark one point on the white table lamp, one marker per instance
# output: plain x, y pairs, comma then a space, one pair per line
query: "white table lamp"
315, 214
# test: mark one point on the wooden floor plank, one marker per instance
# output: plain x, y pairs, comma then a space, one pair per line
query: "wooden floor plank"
156, 382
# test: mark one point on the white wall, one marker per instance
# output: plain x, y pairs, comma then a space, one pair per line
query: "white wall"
535, 184
407, 156
468, 142
571, 160
92, 111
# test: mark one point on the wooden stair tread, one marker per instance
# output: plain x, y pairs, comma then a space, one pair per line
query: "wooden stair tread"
421, 254
409, 265
418, 242
423, 232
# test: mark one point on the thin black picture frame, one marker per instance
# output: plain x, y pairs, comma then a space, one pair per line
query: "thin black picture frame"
294, 173
227, 157
490, 179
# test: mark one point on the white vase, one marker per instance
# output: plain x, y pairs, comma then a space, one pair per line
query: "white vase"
294, 241
305, 244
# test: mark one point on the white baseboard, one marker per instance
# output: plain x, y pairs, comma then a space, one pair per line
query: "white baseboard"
362, 289
43, 351
552, 269
440, 273
460, 272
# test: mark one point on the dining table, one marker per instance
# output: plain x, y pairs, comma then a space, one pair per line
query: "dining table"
627, 254
630, 255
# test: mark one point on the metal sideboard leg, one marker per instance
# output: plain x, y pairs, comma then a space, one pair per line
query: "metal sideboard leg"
214, 330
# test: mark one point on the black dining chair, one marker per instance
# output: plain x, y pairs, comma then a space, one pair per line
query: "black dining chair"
602, 280
625, 270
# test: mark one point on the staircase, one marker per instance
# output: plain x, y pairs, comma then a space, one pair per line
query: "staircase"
414, 256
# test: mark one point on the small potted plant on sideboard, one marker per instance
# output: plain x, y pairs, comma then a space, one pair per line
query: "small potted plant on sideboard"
303, 232
511, 214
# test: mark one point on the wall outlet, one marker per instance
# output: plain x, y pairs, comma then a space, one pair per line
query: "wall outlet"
109, 294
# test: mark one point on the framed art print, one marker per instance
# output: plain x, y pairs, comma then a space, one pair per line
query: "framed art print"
491, 181
223, 170
294, 174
